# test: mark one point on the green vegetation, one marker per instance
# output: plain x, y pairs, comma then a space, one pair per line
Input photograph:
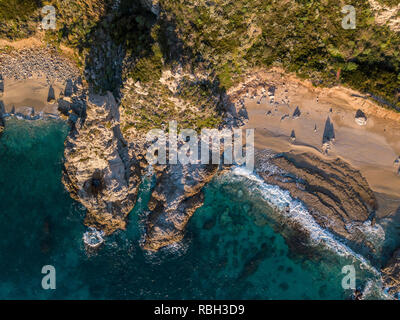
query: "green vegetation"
18, 17
303, 36
223, 39
17, 9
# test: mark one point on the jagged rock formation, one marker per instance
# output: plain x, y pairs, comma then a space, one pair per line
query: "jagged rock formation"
391, 274
174, 200
98, 170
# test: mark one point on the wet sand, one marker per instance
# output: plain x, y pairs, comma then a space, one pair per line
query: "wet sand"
32, 93
372, 149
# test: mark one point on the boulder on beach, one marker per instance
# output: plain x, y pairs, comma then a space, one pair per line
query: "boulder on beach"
271, 91
64, 106
360, 118
51, 97
284, 117
296, 113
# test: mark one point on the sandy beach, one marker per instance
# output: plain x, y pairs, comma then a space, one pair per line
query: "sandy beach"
31, 93
371, 148
33, 77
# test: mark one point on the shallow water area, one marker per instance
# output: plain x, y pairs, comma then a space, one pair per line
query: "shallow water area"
233, 248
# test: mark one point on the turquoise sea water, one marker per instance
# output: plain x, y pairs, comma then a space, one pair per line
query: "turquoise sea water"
233, 248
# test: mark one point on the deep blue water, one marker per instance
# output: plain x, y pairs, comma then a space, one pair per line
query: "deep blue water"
232, 250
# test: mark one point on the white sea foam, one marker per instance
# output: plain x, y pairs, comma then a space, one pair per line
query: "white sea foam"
373, 290
281, 200
93, 238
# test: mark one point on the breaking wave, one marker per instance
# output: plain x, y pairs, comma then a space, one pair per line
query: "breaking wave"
296, 211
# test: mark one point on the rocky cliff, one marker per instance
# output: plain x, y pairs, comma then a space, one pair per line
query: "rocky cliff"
99, 172
391, 274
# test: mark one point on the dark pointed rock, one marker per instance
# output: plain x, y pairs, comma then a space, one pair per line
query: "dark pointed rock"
51, 97
293, 136
329, 131
361, 118
296, 113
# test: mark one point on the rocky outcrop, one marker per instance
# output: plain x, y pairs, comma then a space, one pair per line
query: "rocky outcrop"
51, 97
98, 171
336, 195
391, 274
103, 172
176, 197
386, 15
360, 118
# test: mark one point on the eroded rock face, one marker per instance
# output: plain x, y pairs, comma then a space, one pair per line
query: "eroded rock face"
336, 195
391, 274
98, 172
177, 195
